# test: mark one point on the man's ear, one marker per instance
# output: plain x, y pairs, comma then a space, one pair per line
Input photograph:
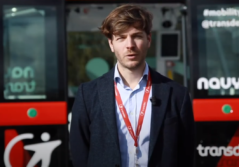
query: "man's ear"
111, 45
149, 38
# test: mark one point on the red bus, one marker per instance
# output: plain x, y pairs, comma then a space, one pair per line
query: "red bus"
214, 54
33, 101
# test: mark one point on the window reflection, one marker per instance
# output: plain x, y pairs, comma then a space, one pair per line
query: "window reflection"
25, 52
218, 53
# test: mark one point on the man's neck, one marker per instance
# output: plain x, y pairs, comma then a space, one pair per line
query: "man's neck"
131, 77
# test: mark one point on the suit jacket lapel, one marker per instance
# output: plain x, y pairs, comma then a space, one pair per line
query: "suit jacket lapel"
160, 91
106, 94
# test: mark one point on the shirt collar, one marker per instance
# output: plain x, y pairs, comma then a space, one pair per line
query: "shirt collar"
117, 77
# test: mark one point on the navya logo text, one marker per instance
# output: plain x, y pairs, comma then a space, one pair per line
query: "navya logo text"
42, 151
218, 83
21, 76
218, 151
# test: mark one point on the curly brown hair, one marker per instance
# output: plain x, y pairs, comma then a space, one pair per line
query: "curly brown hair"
125, 16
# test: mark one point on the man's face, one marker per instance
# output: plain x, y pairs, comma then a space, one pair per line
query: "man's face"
130, 47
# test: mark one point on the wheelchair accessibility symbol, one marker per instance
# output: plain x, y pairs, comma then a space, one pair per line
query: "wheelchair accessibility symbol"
42, 151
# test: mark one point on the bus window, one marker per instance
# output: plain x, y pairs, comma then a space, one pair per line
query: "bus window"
89, 55
30, 52
217, 57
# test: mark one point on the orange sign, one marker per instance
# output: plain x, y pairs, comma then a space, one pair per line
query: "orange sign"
216, 109
33, 113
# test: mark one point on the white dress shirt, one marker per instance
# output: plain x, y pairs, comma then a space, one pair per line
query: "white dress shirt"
132, 100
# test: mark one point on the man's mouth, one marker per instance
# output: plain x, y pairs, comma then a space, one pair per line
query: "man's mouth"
131, 56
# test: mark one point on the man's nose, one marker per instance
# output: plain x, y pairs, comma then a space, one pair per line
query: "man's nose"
130, 44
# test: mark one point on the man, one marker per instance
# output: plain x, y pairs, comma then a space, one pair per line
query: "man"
132, 115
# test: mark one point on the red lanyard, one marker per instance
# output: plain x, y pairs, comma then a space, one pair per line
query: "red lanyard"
141, 114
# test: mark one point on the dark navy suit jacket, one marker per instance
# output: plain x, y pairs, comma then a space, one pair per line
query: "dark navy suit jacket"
94, 136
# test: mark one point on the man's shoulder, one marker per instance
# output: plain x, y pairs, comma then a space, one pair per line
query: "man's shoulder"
178, 92
177, 87
92, 85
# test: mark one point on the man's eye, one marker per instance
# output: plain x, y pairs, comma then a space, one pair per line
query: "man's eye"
138, 36
119, 38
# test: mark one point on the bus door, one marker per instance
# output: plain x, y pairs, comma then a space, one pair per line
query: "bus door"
214, 54
33, 108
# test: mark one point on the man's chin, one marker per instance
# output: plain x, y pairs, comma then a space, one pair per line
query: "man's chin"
133, 66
